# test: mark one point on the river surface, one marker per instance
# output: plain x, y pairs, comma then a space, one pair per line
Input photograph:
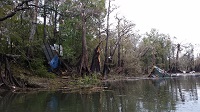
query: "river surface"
179, 94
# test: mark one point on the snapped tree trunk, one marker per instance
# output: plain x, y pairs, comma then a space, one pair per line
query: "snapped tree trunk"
95, 65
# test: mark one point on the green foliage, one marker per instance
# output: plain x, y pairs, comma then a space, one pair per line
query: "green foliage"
88, 80
5, 6
158, 52
39, 69
71, 27
71, 41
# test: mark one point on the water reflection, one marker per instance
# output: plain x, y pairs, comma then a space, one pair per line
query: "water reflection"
170, 94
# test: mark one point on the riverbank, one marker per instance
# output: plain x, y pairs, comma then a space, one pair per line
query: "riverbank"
169, 94
19, 78
68, 83
72, 84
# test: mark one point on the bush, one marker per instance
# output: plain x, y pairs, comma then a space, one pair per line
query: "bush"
88, 80
39, 69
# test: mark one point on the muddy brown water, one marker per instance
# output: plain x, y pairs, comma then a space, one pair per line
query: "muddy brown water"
177, 94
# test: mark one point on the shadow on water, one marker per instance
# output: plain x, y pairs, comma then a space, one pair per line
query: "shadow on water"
167, 94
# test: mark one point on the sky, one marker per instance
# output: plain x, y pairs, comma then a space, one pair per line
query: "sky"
178, 18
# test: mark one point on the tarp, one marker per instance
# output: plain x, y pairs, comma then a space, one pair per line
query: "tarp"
54, 62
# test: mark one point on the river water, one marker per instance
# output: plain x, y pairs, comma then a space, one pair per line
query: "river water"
178, 94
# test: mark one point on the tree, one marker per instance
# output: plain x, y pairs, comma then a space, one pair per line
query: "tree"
156, 50
124, 30
106, 61
20, 7
186, 61
86, 12
33, 27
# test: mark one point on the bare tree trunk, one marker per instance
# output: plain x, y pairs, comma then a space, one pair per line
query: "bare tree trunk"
84, 58
177, 57
44, 26
33, 29
55, 19
169, 62
192, 59
105, 68
34, 23
99, 31
119, 55
119, 45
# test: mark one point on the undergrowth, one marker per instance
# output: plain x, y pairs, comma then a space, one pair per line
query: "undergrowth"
87, 80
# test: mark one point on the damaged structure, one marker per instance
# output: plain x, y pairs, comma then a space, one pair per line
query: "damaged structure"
157, 72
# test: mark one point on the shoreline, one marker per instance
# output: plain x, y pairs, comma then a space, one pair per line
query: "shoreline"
69, 84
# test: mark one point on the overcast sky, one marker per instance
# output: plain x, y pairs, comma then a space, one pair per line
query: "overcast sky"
179, 18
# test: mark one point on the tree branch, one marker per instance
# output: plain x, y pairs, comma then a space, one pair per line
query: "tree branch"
19, 7
11, 14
